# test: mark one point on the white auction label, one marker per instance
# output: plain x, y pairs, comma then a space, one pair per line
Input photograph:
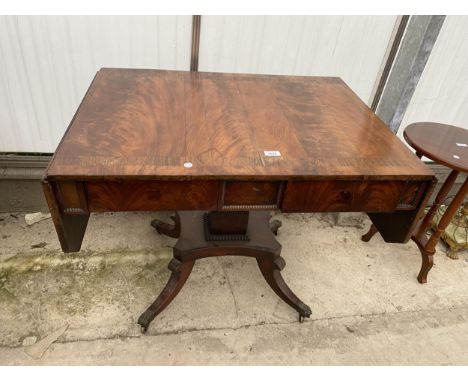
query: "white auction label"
188, 164
273, 153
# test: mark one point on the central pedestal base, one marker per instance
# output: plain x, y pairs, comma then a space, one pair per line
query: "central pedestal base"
195, 243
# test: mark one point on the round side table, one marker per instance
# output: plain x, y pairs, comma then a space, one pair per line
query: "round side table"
446, 145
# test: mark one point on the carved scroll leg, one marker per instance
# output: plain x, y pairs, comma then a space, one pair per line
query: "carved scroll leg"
271, 271
426, 265
171, 230
180, 273
372, 231
275, 225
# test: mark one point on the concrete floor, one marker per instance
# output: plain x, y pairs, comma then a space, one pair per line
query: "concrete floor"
368, 308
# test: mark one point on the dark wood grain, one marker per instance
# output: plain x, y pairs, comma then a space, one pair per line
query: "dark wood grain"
226, 223
245, 195
399, 226
444, 144
447, 145
71, 197
348, 196
152, 195
148, 123
151, 140
438, 142
192, 246
70, 227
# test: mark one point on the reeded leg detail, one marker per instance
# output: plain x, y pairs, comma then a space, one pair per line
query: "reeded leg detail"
271, 271
275, 225
372, 231
180, 273
171, 230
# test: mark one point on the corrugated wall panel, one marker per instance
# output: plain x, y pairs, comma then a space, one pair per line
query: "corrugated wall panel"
351, 47
442, 92
47, 63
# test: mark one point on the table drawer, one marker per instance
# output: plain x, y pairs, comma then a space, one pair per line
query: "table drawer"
152, 195
243, 195
348, 196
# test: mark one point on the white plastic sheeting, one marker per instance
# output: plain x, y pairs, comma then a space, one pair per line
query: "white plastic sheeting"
442, 91
48, 62
350, 47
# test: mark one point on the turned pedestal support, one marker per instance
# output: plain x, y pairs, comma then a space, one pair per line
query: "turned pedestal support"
197, 240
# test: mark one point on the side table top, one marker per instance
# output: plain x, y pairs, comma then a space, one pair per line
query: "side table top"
444, 144
162, 124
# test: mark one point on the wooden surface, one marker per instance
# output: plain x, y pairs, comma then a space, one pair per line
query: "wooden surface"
160, 140
148, 123
438, 142
126, 147
447, 145
192, 245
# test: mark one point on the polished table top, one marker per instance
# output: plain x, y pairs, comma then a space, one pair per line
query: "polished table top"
186, 125
444, 144
158, 140
235, 146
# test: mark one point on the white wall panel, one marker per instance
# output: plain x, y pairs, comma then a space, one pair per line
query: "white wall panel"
351, 47
48, 62
442, 92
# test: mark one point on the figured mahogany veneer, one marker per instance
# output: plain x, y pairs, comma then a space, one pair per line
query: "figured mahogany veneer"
348, 196
219, 148
147, 124
150, 140
298, 196
152, 195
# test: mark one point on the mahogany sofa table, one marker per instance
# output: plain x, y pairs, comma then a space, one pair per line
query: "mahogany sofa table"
223, 150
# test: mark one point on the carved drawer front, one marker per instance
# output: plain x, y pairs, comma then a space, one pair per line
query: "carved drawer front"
343, 196
71, 197
245, 195
152, 195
